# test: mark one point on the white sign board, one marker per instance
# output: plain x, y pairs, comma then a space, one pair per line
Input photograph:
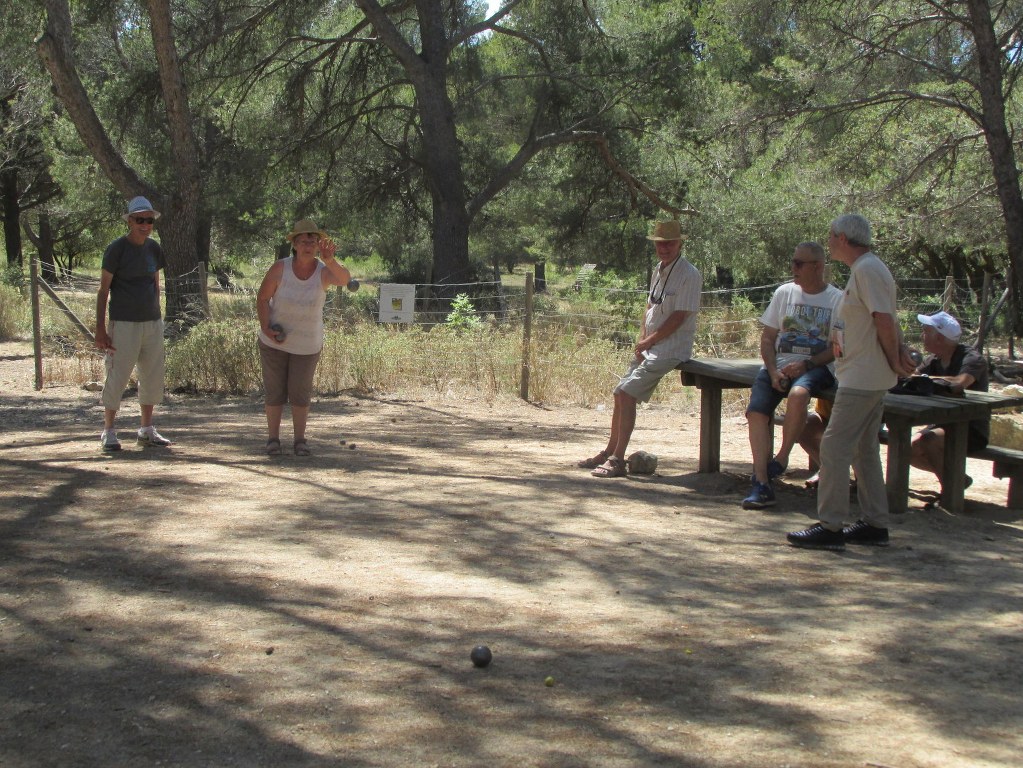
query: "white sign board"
397, 303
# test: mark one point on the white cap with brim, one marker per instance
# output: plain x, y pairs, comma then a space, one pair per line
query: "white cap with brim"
944, 324
139, 205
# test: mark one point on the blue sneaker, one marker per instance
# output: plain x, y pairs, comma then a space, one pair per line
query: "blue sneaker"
760, 497
775, 469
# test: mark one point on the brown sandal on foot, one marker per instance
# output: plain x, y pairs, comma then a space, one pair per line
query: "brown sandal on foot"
613, 467
302, 448
595, 462
273, 447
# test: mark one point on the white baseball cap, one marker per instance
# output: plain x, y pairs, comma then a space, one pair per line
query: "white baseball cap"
943, 323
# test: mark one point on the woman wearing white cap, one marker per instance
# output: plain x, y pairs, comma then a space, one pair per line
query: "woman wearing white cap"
290, 308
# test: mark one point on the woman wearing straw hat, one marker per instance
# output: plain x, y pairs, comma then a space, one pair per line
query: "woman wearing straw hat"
290, 308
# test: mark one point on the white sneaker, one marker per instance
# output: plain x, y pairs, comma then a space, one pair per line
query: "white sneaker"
108, 441
149, 436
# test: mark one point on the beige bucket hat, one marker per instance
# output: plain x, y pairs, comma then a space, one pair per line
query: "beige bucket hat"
306, 227
665, 231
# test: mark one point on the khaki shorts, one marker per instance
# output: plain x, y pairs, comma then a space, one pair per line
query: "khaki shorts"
287, 378
136, 345
644, 375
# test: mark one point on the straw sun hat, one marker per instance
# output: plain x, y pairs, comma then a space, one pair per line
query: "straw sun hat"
306, 227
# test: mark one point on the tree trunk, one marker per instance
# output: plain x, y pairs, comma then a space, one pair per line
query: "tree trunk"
45, 248
440, 156
540, 276
12, 211
179, 223
999, 144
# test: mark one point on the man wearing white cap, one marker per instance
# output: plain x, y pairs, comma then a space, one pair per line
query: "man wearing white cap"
130, 284
961, 366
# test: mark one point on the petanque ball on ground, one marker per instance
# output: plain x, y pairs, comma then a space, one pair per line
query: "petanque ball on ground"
481, 656
642, 463
353, 284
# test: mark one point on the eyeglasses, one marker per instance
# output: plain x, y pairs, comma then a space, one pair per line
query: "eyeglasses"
145, 220
797, 263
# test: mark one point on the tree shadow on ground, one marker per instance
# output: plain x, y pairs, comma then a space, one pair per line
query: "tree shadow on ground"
325, 616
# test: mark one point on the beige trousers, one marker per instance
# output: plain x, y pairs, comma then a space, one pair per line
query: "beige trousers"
850, 440
135, 344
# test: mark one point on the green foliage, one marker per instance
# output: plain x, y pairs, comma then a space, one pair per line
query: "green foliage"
15, 317
463, 316
620, 293
216, 356
13, 275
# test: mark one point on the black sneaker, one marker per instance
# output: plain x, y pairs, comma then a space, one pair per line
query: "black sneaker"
865, 533
817, 537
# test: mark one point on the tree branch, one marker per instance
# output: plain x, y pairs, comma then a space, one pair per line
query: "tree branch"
54, 48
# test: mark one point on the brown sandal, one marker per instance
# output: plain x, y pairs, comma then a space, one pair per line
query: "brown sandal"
613, 467
595, 462
302, 448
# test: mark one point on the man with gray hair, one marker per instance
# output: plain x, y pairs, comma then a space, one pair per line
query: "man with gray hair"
797, 366
130, 282
869, 358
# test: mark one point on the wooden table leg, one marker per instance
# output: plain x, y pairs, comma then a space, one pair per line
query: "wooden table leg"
953, 472
897, 473
710, 429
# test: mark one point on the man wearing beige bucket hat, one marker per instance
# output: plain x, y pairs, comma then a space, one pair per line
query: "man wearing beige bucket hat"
665, 340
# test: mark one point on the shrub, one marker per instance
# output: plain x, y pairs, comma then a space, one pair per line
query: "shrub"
216, 356
462, 316
15, 313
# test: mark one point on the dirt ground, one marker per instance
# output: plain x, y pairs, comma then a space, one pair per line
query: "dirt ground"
205, 605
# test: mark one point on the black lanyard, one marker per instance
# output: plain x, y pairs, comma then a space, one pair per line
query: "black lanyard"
655, 300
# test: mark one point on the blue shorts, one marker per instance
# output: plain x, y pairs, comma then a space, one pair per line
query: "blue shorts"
764, 398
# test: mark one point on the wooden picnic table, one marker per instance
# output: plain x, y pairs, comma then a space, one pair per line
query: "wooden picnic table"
901, 413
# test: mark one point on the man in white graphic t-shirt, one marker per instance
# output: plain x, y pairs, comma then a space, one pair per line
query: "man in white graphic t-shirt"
798, 364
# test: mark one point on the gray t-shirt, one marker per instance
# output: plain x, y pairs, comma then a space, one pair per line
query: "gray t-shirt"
133, 293
964, 360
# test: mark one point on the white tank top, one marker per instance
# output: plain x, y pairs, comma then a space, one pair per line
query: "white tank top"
297, 306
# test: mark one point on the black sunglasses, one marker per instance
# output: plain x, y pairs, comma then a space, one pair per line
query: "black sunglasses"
145, 220
797, 263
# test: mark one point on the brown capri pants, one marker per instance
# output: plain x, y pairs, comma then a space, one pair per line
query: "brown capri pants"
287, 378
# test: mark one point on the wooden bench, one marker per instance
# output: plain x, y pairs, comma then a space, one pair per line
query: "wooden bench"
1007, 463
582, 278
901, 413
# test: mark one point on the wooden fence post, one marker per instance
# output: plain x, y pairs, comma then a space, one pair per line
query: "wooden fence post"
946, 298
82, 327
204, 291
527, 331
985, 302
37, 325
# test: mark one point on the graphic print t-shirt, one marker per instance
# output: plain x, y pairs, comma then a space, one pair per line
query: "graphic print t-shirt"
803, 321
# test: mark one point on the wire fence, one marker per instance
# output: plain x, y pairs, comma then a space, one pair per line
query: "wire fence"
580, 335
